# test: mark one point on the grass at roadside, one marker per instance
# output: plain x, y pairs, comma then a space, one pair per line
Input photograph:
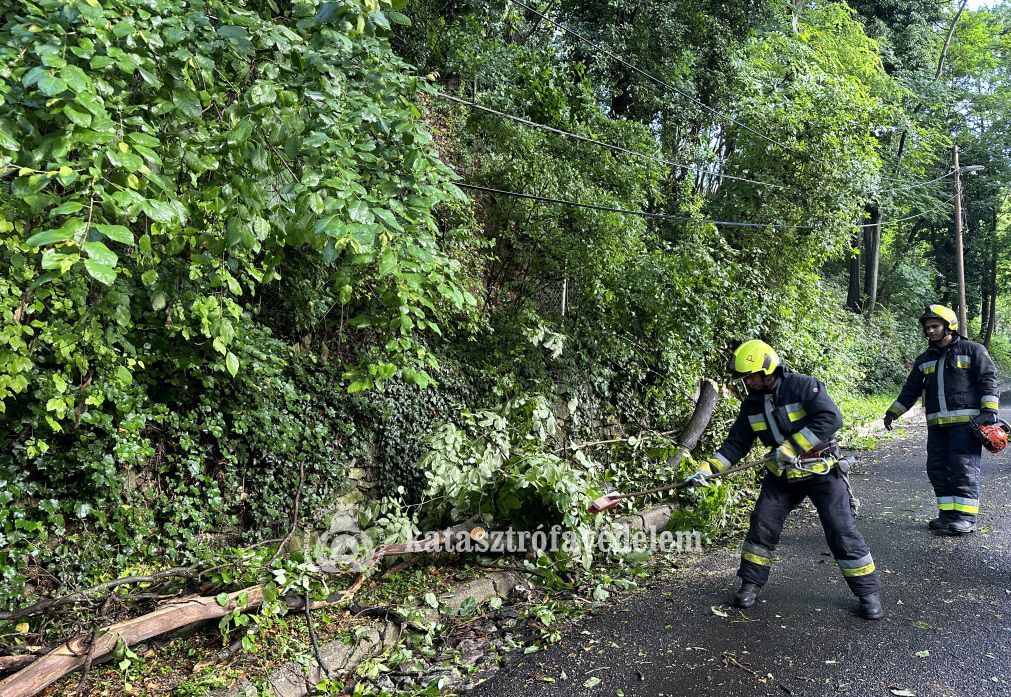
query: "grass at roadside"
858, 412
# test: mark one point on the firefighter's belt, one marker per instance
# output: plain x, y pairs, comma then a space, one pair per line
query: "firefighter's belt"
804, 468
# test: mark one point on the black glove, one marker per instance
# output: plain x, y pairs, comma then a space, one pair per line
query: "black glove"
987, 418
889, 418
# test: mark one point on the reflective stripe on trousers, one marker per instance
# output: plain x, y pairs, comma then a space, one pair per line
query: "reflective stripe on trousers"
831, 498
953, 454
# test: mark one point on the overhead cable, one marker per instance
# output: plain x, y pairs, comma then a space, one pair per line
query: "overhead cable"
585, 139
650, 76
666, 216
913, 185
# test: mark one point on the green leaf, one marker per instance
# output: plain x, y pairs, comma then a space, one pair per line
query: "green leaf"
50, 85
388, 218
229, 31
143, 139
100, 253
100, 272
359, 212
67, 208
124, 375
7, 141
149, 277
187, 102
77, 116
76, 79
40, 239
387, 264
222, 599
240, 133
232, 363
591, 681
159, 211
129, 161
116, 233
51, 259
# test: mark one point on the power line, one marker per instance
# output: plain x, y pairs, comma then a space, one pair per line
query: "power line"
650, 76
914, 185
665, 216
585, 139
652, 158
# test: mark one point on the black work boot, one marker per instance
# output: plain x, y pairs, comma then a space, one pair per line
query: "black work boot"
747, 595
870, 607
961, 527
938, 525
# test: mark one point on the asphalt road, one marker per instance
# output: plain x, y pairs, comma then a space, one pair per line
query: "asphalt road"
946, 632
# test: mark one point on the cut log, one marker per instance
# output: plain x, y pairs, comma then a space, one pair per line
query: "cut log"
64, 660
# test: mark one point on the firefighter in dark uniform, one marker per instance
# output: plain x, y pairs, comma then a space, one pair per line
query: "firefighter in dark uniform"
958, 381
794, 415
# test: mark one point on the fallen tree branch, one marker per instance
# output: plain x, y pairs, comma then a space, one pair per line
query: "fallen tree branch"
312, 638
41, 673
188, 572
70, 656
12, 663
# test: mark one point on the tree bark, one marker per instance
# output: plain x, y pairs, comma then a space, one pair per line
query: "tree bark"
704, 408
872, 250
72, 655
853, 291
991, 317
947, 40
63, 660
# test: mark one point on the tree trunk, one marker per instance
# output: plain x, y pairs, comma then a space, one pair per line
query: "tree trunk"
853, 292
984, 292
872, 249
991, 317
73, 654
704, 408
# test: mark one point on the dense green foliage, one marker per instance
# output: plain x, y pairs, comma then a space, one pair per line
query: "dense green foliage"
239, 255
192, 188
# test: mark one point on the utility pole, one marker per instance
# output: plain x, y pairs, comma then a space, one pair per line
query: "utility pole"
963, 323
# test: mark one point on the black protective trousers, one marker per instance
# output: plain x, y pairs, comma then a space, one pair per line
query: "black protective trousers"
953, 454
831, 498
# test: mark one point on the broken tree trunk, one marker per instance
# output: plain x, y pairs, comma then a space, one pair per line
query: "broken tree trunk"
73, 654
704, 408
45, 670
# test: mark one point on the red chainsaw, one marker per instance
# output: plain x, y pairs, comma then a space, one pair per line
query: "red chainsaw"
993, 436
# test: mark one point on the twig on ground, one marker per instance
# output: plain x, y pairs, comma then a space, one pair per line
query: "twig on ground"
732, 661
312, 638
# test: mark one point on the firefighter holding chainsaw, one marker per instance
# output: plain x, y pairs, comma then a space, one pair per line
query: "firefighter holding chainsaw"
958, 381
794, 415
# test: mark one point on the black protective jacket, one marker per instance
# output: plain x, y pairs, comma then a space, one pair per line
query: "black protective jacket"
957, 382
798, 410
